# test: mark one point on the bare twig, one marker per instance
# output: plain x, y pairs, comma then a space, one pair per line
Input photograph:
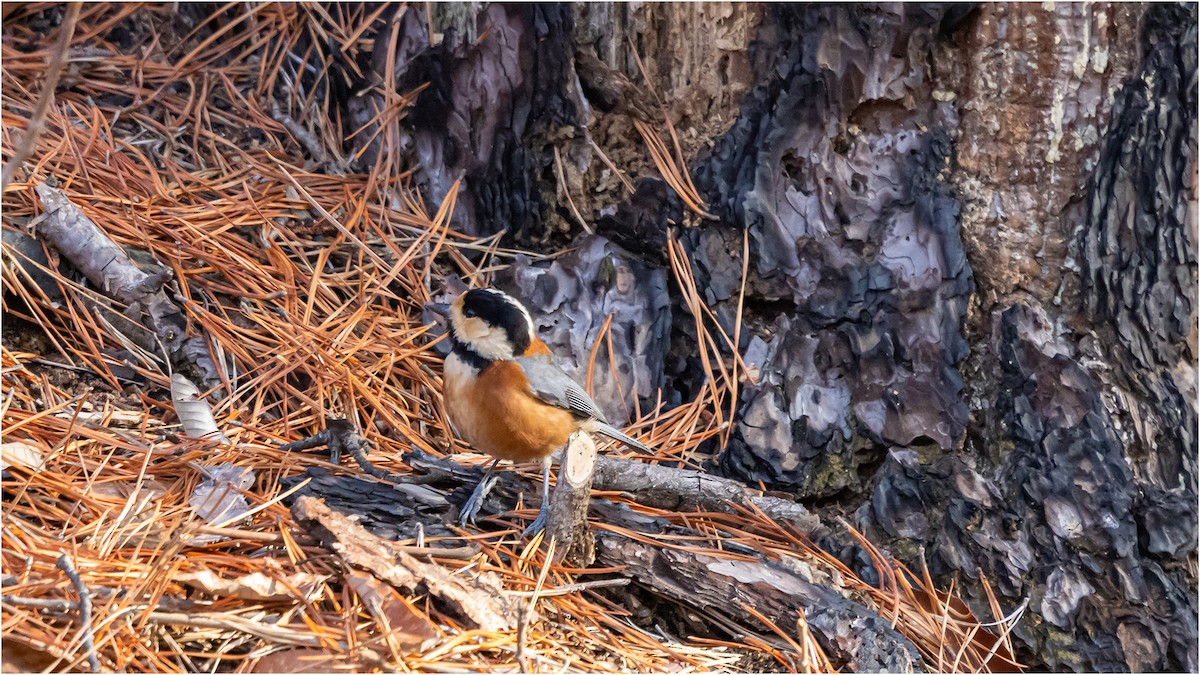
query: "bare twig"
49, 84
305, 137
85, 606
47, 604
573, 588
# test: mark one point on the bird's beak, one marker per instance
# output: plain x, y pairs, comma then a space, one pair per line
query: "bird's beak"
439, 307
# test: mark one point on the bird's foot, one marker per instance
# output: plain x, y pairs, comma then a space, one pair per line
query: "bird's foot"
537, 525
471, 508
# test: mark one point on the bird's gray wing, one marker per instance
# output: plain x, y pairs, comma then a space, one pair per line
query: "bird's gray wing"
549, 383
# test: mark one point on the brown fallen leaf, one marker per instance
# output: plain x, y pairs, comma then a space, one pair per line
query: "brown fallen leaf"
256, 586
404, 629
194, 412
22, 657
304, 660
121, 489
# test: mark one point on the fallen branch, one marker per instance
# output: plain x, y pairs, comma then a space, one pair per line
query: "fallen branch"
717, 584
850, 633
481, 600
110, 269
685, 490
655, 485
568, 523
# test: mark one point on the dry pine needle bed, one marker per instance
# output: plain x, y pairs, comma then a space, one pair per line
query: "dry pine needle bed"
290, 290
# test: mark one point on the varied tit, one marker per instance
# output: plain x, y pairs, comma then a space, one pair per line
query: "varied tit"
506, 396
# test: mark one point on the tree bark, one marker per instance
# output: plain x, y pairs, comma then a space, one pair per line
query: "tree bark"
568, 521
972, 274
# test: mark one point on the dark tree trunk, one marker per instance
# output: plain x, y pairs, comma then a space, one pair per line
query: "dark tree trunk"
972, 285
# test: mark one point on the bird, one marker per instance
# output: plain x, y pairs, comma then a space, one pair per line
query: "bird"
507, 396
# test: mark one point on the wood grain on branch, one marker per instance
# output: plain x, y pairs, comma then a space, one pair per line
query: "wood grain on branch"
689, 490
478, 598
848, 631
150, 319
568, 523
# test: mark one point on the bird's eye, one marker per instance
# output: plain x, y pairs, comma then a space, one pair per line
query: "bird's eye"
470, 312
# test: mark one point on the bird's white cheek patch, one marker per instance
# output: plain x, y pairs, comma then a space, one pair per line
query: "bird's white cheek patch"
488, 341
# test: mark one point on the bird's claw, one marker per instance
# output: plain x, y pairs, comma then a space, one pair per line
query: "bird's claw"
537, 525
471, 507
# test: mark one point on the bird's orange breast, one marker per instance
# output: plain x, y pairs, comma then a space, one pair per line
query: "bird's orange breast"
496, 412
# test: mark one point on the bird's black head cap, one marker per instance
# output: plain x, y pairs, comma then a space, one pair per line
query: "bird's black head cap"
502, 311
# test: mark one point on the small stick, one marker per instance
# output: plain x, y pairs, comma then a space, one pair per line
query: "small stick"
305, 137
573, 588
353, 444
85, 610
53, 70
78, 369
522, 630
339, 435
57, 606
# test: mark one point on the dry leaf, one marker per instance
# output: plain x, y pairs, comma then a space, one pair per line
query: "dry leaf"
256, 586
404, 627
217, 501
303, 660
23, 657
121, 489
195, 415
21, 454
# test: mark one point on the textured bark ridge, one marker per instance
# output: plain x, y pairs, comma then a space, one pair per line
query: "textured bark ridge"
971, 301
1055, 520
1078, 487
1032, 84
849, 632
492, 111
838, 167
1138, 259
1072, 492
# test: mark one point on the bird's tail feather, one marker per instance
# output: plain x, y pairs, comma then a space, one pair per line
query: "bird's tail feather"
616, 435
